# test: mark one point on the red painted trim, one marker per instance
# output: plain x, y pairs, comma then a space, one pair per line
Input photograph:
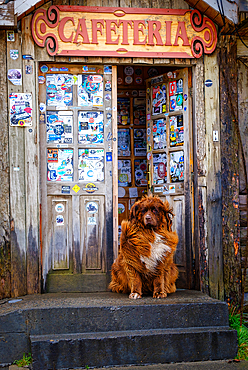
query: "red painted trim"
130, 54
103, 9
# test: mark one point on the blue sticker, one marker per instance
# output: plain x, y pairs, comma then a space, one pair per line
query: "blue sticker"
64, 69
65, 189
109, 156
208, 83
44, 68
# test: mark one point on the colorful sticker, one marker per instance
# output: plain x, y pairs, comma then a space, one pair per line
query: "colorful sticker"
92, 221
60, 220
59, 207
90, 127
128, 80
14, 54
90, 90
139, 142
20, 113
140, 168
107, 69
176, 130
59, 127
176, 95
159, 134
44, 68
10, 36
90, 188
28, 70
91, 207
91, 165
177, 166
76, 188
159, 99
124, 172
15, 76
65, 189
159, 168
121, 208
59, 90
59, 164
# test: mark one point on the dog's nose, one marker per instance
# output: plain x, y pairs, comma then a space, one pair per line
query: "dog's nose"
148, 217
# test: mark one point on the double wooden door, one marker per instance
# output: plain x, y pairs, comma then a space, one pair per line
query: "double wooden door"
81, 177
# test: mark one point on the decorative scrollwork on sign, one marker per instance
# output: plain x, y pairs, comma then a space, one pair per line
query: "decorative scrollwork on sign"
206, 44
40, 21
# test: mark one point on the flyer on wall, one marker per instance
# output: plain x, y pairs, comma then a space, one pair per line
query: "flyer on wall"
20, 109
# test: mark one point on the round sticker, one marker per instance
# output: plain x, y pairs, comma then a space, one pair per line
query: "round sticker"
148, 90
121, 208
123, 177
208, 83
152, 72
135, 93
59, 220
107, 97
90, 173
148, 131
119, 80
172, 104
128, 80
138, 71
41, 79
92, 207
139, 174
185, 97
138, 80
149, 156
143, 166
121, 192
128, 71
179, 99
59, 207
44, 68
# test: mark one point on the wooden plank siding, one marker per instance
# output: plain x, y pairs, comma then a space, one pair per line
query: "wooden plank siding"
230, 168
5, 261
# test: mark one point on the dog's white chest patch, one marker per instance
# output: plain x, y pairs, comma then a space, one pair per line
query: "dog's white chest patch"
158, 251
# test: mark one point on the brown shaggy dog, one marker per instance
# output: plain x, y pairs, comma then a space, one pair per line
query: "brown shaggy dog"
147, 246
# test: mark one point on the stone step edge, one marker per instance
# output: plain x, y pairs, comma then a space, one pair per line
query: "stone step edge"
128, 333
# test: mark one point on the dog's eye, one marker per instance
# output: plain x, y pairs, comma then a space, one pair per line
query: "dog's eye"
144, 211
155, 211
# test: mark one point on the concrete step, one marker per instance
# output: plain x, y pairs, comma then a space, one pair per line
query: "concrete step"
116, 317
134, 347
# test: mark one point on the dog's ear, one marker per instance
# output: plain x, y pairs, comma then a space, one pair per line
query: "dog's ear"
133, 211
168, 215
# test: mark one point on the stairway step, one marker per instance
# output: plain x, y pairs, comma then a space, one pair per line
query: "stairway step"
134, 347
123, 317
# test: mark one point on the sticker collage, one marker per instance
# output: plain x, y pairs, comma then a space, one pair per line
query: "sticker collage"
87, 92
165, 131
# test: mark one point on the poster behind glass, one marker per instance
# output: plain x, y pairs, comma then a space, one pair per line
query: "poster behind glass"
59, 164
91, 164
139, 135
124, 143
176, 130
139, 111
90, 91
59, 127
140, 170
177, 166
159, 168
159, 134
123, 109
59, 90
124, 172
90, 127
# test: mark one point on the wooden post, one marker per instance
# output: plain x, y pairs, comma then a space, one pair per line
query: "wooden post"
5, 268
230, 168
115, 162
214, 229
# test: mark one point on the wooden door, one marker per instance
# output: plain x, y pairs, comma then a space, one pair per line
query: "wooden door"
169, 156
76, 143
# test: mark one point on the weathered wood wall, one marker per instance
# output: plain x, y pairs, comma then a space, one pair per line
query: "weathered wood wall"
230, 167
5, 268
243, 126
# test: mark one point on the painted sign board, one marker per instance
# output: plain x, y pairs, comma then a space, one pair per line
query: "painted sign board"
123, 32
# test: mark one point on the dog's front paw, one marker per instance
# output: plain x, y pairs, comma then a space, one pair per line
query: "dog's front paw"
134, 295
159, 295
